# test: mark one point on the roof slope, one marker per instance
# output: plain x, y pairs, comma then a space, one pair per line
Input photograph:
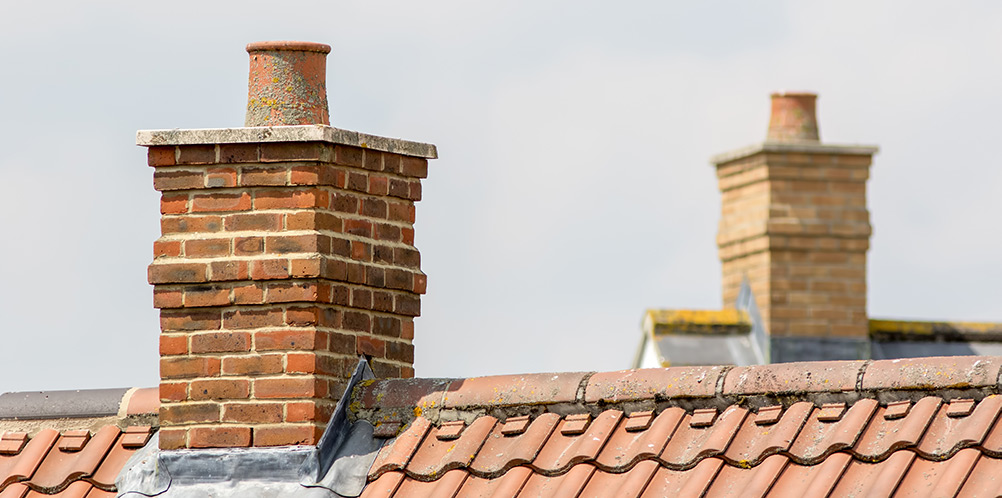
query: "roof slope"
919, 427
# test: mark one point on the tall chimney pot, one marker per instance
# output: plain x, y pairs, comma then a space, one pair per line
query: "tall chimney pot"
793, 117
287, 84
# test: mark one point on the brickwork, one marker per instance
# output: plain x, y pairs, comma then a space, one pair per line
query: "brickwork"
795, 225
278, 265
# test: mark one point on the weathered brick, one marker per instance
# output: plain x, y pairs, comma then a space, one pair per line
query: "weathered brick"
189, 413
414, 166
256, 177
201, 203
196, 154
174, 204
220, 342
301, 363
304, 339
252, 364
173, 391
291, 199
190, 224
267, 222
203, 248
173, 439
253, 318
185, 367
189, 319
256, 413
238, 153
225, 436
269, 269
294, 151
177, 180
288, 387
161, 156
166, 248
215, 389
173, 344
286, 435
348, 156
371, 346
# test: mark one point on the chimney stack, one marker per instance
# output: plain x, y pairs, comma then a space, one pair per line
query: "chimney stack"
794, 224
287, 251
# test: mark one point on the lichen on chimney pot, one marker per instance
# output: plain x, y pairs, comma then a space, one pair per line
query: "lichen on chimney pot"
287, 84
793, 118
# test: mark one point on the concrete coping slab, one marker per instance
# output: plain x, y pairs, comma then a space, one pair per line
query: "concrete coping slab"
794, 147
298, 133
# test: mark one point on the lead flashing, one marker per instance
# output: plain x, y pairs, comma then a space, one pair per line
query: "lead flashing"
794, 147
299, 133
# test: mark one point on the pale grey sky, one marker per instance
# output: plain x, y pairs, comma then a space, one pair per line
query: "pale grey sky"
573, 189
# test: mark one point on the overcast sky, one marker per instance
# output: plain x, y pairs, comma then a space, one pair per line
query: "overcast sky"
573, 189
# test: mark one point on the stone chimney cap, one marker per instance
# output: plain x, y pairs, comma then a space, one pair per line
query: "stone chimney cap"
300, 46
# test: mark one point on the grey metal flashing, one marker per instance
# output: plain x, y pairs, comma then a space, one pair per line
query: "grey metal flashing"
794, 147
786, 349
337, 467
40, 405
298, 133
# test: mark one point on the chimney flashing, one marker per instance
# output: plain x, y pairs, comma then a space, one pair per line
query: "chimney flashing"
793, 147
296, 133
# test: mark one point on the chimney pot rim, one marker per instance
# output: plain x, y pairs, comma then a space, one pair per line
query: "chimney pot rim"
798, 93
288, 45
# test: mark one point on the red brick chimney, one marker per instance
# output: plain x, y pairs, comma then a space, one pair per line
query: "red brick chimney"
794, 224
287, 250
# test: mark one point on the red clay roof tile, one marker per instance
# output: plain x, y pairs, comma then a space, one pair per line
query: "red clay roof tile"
822, 442
819, 439
626, 447
85, 466
947, 434
501, 452
436, 456
754, 442
689, 444
563, 450
884, 436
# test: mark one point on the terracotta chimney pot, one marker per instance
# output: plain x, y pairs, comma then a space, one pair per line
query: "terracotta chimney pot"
793, 117
287, 83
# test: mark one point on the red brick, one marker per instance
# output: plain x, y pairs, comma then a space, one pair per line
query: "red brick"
171, 273
301, 411
391, 163
291, 199
386, 326
361, 251
284, 244
238, 153
354, 320
414, 193
305, 175
399, 279
374, 208
177, 180
414, 166
370, 346
188, 367
405, 304
382, 301
220, 342
288, 387
361, 228
379, 185
305, 363
407, 329
292, 292
252, 365
406, 372
294, 151
161, 156
305, 268
247, 246
399, 188
401, 211
196, 154
213, 389
285, 340
257, 413
410, 258
174, 204
400, 351
306, 220
420, 283
221, 177
358, 181
173, 391
189, 319
361, 298
167, 298
385, 231
303, 316
173, 439
219, 437
407, 236
344, 202
286, 435
189, 413
201, 203
335, 269
268, 222
166, 248
253, 318
356, 273
228, 270
270, 269
256, 177
190, 224
203, 248
248, 294
348, 156
173, 344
